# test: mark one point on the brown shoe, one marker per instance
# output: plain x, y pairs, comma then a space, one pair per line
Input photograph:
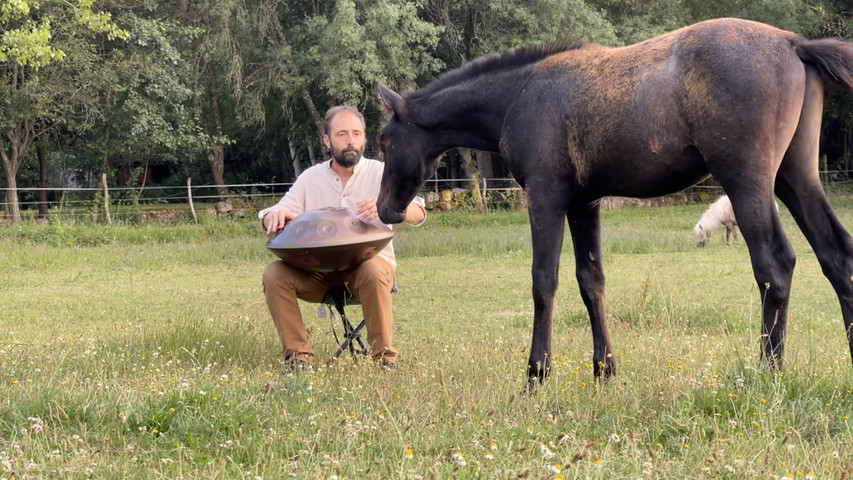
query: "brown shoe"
386, 365
296, 366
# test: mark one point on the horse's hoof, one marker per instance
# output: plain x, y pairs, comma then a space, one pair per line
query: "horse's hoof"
604, 370
538, 372
531, 386
773, 362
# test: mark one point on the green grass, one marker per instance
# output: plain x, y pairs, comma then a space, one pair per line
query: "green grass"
148, 352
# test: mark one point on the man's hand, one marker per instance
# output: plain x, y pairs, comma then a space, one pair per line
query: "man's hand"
366, 210
276, 221
415, 214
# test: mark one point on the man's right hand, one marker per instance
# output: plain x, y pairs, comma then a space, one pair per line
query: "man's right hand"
276, 221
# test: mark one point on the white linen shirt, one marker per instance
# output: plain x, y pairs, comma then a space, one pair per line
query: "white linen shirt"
320, 187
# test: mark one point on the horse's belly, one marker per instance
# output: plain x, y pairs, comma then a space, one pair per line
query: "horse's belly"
647, 174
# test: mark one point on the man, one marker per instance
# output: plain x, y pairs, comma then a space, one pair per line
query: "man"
349, 180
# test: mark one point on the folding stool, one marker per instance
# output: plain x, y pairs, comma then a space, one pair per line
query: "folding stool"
338, 298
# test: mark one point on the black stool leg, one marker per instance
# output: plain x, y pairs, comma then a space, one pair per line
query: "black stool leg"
350, 334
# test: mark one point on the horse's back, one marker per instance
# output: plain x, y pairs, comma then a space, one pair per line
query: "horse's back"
732, 52
729, 51
658, 103
740, 55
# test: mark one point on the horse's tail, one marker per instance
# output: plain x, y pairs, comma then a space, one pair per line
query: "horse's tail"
833, 56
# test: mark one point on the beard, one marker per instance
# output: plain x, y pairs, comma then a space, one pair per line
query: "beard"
347, 157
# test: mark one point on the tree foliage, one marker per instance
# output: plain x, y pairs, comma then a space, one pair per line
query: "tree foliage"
47, 75
235, 90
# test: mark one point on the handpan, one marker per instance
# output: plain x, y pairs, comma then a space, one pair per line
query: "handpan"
328, 240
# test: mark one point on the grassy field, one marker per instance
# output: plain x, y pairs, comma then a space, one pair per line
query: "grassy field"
147, 352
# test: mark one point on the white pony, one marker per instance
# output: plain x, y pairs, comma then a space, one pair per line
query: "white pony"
719, 213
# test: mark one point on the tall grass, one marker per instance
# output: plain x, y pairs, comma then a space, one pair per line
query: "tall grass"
147, 352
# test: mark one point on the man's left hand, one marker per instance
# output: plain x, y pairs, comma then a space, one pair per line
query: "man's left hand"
366, 210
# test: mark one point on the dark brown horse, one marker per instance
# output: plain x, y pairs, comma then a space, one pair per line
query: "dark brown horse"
736, 99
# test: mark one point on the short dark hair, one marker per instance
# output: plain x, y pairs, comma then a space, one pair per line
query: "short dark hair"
330, 114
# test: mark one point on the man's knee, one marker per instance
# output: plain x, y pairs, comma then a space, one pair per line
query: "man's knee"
280, 276
273, 272
376, 271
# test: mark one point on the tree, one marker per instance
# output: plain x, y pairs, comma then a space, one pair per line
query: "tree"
214, 47
313, 56
836, 20
163, 100
638, 20
147, 98
44, 48
273, 91
473, 28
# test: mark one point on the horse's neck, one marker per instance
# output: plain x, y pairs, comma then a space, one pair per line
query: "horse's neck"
471, 114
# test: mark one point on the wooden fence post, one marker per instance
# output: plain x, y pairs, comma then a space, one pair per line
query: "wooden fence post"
106, 199
190, 196
485, 199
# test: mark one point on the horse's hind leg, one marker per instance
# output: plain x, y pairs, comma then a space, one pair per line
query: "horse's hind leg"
773, 262
831, 243
771, 254
585, 226
798, 186
747, 163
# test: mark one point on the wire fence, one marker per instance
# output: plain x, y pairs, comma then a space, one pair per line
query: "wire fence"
155, 195
175, 202
179, 202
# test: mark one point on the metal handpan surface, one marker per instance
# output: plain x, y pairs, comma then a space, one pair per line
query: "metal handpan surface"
328, 240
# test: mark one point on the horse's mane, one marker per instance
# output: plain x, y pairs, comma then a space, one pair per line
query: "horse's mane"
494, 63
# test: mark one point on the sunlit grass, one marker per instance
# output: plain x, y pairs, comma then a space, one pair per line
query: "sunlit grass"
145, 352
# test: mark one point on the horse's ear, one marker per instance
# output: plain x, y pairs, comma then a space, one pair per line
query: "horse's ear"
391, 99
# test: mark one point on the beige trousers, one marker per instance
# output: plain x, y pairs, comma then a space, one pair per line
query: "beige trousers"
371, 283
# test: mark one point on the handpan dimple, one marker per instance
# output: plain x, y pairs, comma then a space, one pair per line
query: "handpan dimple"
299, 230
357, 225
326, 229
329, 239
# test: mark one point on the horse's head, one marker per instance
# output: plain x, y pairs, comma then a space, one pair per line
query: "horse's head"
411, 155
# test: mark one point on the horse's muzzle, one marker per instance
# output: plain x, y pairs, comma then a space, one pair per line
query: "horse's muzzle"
390, 215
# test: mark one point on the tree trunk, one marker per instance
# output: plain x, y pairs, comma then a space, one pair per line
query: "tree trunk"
20, 141
311, 155
309, 104
472, 174
43, 183
294, 155
846, 154
303, 91
13, 210
106, 198
216, 155
487, 171
484, 164
63, 178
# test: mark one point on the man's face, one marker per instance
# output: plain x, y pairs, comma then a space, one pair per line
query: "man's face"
346, 139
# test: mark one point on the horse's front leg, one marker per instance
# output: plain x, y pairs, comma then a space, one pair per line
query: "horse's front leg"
547, 227
585, 226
